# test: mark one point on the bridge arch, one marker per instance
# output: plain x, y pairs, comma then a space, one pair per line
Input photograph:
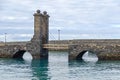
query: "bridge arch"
82, 53
19, 54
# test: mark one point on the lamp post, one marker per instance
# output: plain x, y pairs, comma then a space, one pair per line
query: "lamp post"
5, 38
58, 34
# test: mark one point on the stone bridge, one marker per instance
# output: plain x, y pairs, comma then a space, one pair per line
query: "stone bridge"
38, 46
104, 49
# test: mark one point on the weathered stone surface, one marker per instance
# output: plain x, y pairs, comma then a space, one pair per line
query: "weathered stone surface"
40, 37
9, 50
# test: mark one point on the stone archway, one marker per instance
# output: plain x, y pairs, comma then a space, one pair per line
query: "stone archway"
19, 54
79, 56
91, 54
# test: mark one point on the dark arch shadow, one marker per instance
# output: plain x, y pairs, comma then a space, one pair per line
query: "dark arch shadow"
19, 54
79, 56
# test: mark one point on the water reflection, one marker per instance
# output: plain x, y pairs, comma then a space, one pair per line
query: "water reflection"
109, 65
80, 63
88, 56
87, 59
40, 69
34, 70
58, 69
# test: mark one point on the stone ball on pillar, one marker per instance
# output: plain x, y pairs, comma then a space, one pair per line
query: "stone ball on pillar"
45, 12
38, 11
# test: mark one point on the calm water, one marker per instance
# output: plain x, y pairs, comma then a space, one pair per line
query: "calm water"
59, 68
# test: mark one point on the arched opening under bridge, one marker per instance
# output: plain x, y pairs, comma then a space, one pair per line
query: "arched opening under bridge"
22, 54
87, 56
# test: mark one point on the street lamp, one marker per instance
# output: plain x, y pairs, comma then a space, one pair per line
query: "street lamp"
58, 34
5, 38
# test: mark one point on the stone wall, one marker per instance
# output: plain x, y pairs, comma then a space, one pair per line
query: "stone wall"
8, 51
80, 41
59, 42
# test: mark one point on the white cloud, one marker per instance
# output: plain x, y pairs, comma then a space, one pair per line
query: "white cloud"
17, 28
16, 37
13, 18
116, 26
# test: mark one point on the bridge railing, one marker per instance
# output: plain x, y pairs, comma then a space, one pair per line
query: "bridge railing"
56, 46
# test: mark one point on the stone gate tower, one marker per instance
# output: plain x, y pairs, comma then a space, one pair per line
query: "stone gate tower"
40, 37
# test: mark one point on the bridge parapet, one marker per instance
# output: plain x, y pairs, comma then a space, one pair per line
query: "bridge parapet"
56, 46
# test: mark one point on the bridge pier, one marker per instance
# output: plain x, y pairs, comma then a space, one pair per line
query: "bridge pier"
40, 37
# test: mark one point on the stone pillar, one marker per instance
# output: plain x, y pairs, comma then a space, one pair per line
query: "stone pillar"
35, 47
45, 31
45, 27
37, 24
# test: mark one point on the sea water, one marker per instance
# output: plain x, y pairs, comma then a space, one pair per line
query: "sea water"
58, 67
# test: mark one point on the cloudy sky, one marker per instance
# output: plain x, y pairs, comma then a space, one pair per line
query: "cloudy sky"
76, 19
